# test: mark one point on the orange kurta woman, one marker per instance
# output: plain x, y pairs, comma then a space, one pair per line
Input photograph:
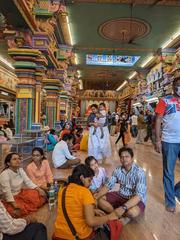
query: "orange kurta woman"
20, 195
39, 170
80, 206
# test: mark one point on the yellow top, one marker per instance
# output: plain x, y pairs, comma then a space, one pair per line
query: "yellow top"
76, 198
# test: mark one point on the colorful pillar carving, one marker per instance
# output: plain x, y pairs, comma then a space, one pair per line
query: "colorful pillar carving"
52, 99
40, 74
25, 68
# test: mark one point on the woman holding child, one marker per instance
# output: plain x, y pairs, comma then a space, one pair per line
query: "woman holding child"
99, 140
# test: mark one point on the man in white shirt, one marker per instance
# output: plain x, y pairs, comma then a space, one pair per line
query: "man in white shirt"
21, 228
134, 123
61, 156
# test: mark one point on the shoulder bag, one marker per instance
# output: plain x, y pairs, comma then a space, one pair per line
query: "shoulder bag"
101, 233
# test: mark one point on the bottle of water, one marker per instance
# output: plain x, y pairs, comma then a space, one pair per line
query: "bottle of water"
56, 189
51, 196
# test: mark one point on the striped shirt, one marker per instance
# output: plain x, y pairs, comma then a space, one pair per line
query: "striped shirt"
131, 183
9, 225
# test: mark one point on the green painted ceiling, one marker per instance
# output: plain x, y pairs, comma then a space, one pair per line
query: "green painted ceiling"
85, 19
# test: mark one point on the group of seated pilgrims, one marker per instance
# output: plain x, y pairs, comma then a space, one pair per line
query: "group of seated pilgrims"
24, 191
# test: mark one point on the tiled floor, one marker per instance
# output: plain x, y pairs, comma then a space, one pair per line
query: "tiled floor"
156, 224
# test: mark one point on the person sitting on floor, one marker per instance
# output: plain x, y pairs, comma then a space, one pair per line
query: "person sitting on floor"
20, 195
52, 139
3, 138
65, 130
132, 192
20, 229
100, 177
8, 131
61, 156
80, 206
39, 170
78, 138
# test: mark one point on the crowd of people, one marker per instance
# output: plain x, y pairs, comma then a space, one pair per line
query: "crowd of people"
88, 200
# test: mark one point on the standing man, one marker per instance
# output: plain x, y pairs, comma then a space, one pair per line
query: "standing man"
149, 120
134, 123
168, 139
141, 128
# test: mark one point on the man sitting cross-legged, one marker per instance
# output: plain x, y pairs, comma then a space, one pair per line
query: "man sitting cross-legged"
130, 200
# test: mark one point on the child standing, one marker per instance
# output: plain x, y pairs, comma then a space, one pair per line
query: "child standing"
100, 119
100, 174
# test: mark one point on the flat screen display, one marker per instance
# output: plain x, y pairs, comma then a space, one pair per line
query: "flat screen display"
111, 60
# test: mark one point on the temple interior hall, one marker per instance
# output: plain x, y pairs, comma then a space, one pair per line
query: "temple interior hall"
90, 120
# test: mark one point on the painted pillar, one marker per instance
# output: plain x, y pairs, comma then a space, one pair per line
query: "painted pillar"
25, 68
40, 75
52, 96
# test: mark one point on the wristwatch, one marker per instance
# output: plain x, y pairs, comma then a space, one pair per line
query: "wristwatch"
124, 207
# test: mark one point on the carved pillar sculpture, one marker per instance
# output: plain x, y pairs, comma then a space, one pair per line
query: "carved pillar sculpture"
52, 97
25, 68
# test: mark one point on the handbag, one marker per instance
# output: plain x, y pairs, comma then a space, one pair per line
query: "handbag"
101, 233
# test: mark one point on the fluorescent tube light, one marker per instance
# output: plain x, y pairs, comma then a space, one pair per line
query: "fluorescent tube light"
132, 75
69, 30
146, 61
122, 85
137, 104
76, 59
6, 62
154, 99
172, 38
4, 93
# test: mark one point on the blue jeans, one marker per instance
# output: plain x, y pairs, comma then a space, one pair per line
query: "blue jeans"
134, 131
170, 153
177, 190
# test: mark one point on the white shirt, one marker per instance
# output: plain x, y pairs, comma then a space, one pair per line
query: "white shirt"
61, 154
12, 182
9, 225
8, 133
99, 179
134, 120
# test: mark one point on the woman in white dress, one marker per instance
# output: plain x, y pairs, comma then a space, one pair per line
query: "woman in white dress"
98, 147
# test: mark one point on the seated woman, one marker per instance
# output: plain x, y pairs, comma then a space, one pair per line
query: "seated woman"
80, 207
20, 195
78, 137
65, 130
4, 138
52, 139
39, 170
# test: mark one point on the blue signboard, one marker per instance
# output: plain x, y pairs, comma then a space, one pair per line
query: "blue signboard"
111, 60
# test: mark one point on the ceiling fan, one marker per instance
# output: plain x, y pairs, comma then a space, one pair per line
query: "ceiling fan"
132, 38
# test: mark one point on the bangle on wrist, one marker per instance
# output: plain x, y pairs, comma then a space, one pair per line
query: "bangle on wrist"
124, 207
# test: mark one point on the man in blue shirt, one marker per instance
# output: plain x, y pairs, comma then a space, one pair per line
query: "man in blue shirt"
130, 199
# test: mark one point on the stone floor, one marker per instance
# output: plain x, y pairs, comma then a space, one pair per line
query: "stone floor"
156, 224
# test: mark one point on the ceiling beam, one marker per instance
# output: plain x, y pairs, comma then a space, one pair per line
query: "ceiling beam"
86, 48
175, 3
